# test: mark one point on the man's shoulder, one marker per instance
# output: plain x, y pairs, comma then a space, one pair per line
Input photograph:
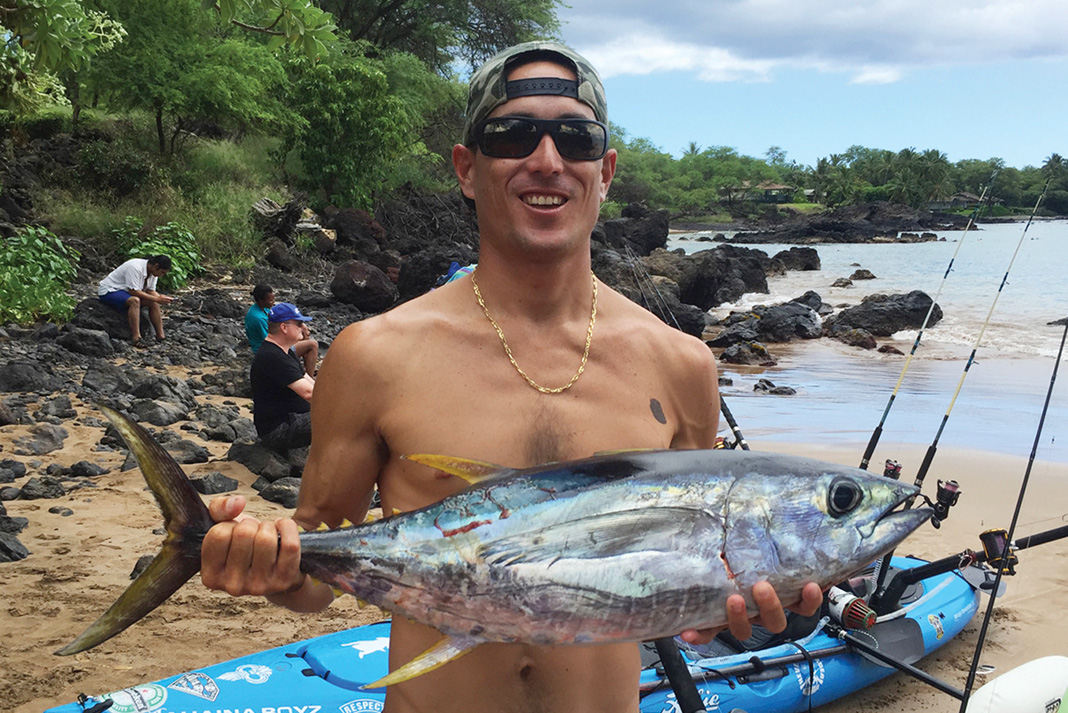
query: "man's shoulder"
646, 332
420, 318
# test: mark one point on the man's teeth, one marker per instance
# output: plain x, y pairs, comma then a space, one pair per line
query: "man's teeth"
543, 200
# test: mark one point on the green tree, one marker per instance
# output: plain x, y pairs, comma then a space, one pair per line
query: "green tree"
177, 65
443, 33
352, 130
40, 39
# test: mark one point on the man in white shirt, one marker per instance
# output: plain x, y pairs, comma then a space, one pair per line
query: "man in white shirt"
132, 284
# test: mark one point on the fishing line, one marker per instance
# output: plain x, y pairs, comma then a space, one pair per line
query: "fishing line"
919, 335
642, 279
929, 456
1015, 517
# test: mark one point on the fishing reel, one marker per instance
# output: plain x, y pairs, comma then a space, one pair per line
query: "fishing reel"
998, 551
892, 469
948, 493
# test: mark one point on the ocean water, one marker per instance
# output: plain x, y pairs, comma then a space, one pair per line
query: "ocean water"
842, 391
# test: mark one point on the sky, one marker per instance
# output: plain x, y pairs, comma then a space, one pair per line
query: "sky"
975, 79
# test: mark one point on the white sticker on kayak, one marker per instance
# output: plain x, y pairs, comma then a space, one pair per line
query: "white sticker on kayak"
711, 702
139, 699
807, 686
250, 672
196, 684
363, 705
371, 646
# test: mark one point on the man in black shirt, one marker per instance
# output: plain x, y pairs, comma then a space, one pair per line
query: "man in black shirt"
281, 390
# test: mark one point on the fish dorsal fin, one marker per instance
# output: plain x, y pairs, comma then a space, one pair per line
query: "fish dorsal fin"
447, 649
606, 535
473, 471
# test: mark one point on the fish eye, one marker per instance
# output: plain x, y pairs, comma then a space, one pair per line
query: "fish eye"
843, 496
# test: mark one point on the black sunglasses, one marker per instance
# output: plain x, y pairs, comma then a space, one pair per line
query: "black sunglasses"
519, 136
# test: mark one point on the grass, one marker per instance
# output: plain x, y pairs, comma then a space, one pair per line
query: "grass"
209, 187
804, 208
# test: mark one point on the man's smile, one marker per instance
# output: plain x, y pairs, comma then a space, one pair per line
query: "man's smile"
543, 200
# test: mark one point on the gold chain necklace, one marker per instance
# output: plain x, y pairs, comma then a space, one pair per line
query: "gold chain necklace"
508, 351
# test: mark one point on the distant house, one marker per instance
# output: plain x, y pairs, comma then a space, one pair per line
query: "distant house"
955, 202
763, 192
768, 192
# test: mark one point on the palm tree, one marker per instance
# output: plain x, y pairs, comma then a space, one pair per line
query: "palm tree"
1054, 168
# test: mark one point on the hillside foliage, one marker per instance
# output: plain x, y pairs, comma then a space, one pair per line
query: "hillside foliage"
186, 112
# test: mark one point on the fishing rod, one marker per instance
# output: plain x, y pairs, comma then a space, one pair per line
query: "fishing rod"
948, 489
933, 448
877, 433
1015, 517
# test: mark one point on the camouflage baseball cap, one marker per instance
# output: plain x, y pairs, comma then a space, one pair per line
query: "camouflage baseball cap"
489, 89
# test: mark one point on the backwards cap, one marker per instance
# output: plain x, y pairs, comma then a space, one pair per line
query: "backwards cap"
489, 89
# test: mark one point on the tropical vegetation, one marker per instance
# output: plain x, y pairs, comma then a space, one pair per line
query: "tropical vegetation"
184, 113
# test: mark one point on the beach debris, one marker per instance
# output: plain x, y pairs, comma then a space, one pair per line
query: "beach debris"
627, 546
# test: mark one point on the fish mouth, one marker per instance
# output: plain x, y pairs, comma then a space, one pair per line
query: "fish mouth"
894, 525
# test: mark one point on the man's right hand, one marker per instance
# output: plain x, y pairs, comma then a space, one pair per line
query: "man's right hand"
242, 555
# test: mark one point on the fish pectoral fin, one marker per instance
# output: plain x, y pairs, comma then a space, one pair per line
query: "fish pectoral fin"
606, 535
473, 471
447, 649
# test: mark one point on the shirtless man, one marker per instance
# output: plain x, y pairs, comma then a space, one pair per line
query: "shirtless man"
469, 370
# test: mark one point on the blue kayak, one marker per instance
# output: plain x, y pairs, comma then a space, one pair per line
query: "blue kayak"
326, 674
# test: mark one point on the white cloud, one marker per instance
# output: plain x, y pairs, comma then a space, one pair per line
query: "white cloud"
877, 75
872, 41
646, 54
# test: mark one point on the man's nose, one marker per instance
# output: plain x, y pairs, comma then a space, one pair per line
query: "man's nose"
546, 158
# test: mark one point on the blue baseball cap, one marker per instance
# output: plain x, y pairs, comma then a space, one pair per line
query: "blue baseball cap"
284, 312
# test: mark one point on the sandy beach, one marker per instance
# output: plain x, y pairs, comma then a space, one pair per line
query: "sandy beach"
81, 562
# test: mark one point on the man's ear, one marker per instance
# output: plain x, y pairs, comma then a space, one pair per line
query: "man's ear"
463, 163
608, 170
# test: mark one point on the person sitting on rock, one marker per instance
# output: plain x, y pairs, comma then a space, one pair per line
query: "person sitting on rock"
132, 284
307, 349
281, 390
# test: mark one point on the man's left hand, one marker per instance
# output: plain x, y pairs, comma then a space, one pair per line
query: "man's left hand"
772, 616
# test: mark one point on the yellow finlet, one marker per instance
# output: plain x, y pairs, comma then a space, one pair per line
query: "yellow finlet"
337, 592
447, 649
473, 471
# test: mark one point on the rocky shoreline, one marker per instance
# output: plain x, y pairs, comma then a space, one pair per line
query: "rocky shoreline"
193, 386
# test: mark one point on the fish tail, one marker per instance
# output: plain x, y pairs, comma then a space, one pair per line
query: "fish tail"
186, 519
